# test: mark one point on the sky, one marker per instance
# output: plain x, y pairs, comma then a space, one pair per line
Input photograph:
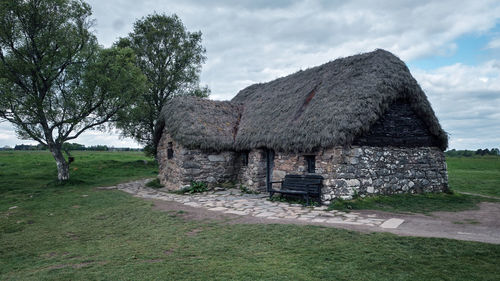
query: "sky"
452, 48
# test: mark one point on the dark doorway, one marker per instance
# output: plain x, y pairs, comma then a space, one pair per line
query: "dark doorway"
311, 163
269, 167
170, 150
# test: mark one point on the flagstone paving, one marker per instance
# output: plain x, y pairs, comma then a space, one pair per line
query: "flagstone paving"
233, 201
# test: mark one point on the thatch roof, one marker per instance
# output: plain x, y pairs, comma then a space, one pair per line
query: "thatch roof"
323, 106
201, 123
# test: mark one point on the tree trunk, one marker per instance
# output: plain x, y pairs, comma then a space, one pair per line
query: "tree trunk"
62, 164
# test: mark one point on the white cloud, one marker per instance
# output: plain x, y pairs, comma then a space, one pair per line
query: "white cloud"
467, 102
462, 78
493, 44
88, 138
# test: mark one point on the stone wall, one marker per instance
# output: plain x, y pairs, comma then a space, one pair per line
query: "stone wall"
347, 171
188, 165
371, 170
253, 176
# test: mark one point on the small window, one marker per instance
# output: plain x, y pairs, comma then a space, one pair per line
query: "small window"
170, 150
244, 158
311, 163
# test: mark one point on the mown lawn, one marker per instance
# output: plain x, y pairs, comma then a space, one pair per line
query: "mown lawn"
76, 232
479, 175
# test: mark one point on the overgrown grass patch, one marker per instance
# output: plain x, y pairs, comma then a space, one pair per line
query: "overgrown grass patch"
155, 183
194, 187
411, 203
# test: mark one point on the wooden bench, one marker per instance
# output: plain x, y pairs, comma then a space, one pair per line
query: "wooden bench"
306, 186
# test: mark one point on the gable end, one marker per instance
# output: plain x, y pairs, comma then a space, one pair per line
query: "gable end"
399, 127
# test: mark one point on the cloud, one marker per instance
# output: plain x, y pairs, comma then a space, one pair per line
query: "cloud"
8, 136
262, 40
88, 138
493, 44
467, 101
256, 41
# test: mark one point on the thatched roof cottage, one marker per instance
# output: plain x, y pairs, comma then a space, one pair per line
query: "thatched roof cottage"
362, 122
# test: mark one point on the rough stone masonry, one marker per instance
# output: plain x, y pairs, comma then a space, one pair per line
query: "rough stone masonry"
366, 170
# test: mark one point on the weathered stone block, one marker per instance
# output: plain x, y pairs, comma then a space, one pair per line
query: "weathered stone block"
190, 165
357, 152
216, 158
368, 181
279, 174
353, 183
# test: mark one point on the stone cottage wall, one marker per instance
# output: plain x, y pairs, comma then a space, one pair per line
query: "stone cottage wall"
371, 170
253, 176
188, 165
347, 171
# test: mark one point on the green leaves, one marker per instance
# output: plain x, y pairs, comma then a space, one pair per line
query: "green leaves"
56, 82
170, 57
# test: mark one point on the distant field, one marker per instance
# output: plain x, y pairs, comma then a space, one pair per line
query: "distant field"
33, 169
76, 232
479, 175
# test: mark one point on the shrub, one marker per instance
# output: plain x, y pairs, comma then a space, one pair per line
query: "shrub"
194, 187
245, 189
155, 183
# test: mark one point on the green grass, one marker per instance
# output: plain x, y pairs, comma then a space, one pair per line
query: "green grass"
479, 175
155, 183
77, 232
412, 203
25, 170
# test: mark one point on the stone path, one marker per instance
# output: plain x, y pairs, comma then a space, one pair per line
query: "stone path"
233, 201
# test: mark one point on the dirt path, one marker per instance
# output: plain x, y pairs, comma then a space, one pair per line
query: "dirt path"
480, 195
481, 225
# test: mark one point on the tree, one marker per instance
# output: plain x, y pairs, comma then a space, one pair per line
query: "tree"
170, 57
55, 81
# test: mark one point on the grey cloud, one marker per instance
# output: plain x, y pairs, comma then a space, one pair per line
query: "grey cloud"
118, 24
257, 41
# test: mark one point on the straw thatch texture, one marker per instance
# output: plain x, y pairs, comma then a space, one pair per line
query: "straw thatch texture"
201, 123
330, 104
320, 107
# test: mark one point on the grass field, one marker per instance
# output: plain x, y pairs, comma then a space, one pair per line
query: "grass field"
76, 232
479, 175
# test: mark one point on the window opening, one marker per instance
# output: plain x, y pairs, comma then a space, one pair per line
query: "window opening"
170, 150
311, 163
244, 158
